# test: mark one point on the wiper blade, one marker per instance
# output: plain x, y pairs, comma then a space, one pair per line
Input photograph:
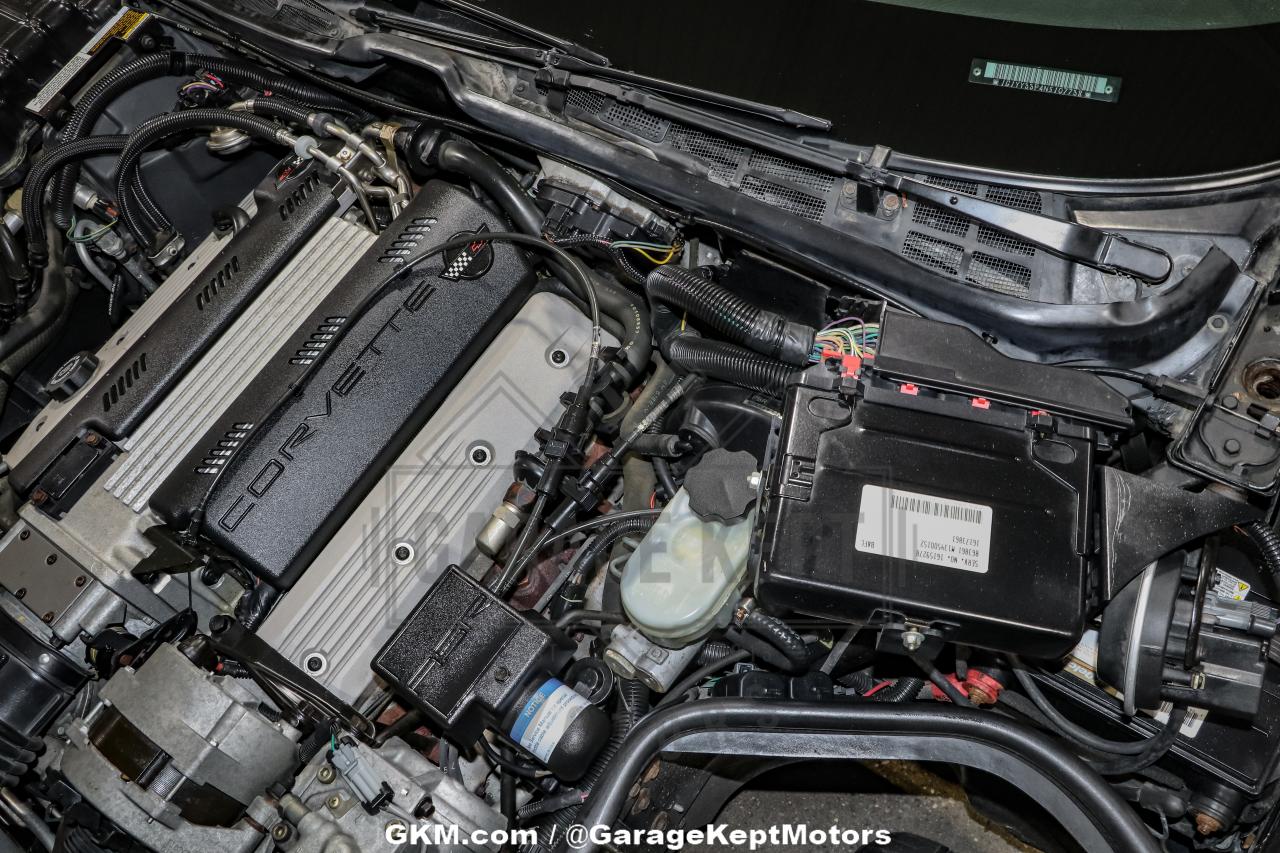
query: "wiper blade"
565, 67
502, 22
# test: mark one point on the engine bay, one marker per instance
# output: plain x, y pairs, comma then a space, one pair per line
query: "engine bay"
417, 423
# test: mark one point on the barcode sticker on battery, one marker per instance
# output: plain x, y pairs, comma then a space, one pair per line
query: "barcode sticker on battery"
1054, 81
924, 528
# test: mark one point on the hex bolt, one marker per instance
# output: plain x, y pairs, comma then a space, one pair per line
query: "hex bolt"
1231, 446
753, 479
326, 774
92, 439
1230, 402
912, 640
501, 674
1197, 681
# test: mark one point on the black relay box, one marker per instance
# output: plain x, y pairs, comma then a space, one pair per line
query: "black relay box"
941, 486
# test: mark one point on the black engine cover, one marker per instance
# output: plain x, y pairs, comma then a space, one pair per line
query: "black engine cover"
313, 431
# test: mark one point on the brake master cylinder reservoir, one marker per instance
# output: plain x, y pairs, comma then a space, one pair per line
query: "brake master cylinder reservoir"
686, 574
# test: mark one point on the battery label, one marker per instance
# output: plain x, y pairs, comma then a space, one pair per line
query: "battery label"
1054, 81
924, 528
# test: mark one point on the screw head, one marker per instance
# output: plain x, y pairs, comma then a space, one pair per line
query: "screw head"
51, 559
402, 553
314, 663
47, 618
559, 357
334, 802
501, 674
912, 640
1197, 681
24, 535
326, 774
21, 593
280, 831
81, 580
1231, 446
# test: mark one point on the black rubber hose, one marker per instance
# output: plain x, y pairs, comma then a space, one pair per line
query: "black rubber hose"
153, 131
574, 591
781, 636
94, 102
730, 363
1268, 544
764, 331
633, 705
463, 158
48, 309
33, 188
1087, 808
1068, 729
662, 471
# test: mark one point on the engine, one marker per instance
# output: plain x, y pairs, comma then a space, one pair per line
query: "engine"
394, 473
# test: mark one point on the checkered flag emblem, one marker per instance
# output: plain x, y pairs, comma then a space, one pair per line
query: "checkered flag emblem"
471, 261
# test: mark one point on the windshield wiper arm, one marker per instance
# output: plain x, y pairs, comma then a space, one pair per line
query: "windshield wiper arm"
502, 22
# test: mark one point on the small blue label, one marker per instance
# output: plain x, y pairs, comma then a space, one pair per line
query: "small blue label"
546, 716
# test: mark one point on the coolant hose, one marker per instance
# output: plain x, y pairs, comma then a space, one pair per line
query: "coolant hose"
730, 363
152, 131
94, 102
33, 188
633, 705
764, 331
779, 635
616, 302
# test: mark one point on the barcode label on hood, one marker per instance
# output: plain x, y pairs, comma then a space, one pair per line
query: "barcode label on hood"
1054, 81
